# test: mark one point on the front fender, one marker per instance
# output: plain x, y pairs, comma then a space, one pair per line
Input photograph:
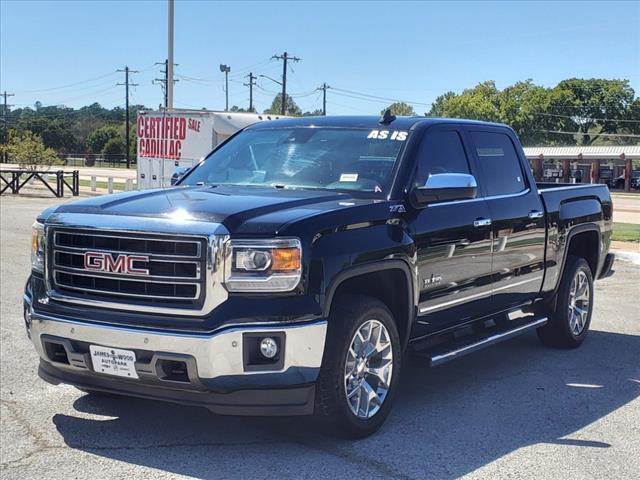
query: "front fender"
343, 255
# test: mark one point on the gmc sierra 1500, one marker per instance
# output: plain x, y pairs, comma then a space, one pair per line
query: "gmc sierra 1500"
291, 270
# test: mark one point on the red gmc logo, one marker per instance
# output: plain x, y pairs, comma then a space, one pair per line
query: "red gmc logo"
104, 262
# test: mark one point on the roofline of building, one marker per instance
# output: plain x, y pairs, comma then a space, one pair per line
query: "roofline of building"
594, 152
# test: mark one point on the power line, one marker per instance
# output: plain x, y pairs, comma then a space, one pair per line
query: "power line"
589, 118
592, 134
236, 76
201, 81
84, 95
386, 99
126, 102
240, 73
285, 58
69, 84
306, 94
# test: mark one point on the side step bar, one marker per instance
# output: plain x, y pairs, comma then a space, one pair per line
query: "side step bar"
440, 357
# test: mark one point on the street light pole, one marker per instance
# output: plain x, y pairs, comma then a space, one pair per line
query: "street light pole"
226, 69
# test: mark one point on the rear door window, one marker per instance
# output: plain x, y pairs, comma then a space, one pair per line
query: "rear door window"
499, 162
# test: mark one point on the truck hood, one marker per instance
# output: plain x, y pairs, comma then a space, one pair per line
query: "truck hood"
246, 209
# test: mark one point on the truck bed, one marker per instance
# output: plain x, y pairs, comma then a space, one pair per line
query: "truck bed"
571, 209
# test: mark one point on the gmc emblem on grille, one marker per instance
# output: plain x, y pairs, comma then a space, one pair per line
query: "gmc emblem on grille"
104, 262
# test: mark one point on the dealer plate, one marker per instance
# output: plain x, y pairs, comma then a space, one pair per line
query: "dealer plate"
113, 361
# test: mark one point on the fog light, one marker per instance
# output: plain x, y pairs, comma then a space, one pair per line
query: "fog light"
268, 347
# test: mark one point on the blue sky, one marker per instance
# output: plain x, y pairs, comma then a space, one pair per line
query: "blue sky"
406, 50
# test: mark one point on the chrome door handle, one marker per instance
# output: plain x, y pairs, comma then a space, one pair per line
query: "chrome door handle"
482, 222
535, 214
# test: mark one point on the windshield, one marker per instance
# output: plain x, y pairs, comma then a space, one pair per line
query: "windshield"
327, 158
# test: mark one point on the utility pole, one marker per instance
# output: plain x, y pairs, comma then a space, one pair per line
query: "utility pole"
252, 82
5, 121
226, 69
169, 84
126, 102
164, 81
324, 88
284, 57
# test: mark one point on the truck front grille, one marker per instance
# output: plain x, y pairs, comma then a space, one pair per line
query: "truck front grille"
128, 268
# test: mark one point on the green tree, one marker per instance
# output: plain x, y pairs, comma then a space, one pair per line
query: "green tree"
315, 113
97, 139
478, 103
291, 108
596, 105
401, 109
133, 142
114, 146
58, 135
28, 151
522, 106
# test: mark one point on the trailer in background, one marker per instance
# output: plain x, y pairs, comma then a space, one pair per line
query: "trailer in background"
169, 139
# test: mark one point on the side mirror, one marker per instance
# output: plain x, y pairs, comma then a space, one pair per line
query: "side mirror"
178, 173
443, 187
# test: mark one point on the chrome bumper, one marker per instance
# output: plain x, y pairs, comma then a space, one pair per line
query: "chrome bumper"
215, 356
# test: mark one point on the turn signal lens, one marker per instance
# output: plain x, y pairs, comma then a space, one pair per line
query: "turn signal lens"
285, 259
37, 247
35, 239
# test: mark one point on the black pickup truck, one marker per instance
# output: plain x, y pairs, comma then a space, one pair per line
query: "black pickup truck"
293, 269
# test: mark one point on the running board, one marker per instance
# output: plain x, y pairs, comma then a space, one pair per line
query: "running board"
475, 343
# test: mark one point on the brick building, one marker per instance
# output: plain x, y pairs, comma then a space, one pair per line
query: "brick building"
611, 164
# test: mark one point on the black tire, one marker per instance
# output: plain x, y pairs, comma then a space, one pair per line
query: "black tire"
332, 409
559, 332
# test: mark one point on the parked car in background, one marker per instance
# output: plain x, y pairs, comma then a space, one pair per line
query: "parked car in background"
618, 182
178, 173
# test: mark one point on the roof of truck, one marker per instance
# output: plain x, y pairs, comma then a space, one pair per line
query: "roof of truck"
363, 121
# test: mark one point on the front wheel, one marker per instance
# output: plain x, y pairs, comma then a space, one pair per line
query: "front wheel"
570, 320
359, 375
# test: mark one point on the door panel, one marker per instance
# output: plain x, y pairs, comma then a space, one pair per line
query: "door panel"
454, 264
453, 256
518, 221
518, 249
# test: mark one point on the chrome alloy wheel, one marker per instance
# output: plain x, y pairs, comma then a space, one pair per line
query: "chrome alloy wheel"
579, 297
368, 369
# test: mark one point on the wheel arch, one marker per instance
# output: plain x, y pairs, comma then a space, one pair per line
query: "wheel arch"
584, 241
577, 243
389, 281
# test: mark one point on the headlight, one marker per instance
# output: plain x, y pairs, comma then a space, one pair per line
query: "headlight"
264, 265
37, 247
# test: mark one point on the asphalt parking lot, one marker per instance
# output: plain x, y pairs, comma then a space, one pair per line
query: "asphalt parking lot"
518, 410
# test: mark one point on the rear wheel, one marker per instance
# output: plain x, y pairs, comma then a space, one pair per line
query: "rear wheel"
570, 320
359, 375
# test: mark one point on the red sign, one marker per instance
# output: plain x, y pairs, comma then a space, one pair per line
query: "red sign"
161, 137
